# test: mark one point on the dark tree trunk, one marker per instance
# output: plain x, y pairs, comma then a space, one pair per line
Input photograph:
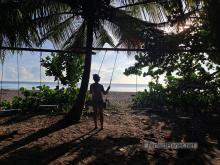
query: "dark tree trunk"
75, 114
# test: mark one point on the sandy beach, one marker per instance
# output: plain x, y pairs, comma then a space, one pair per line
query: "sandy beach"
33, 139
9, 94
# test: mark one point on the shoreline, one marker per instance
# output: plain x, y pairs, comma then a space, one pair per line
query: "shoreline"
116, 87
118, 99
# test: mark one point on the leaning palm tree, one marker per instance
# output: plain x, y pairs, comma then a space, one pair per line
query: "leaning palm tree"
85, 23
88, 23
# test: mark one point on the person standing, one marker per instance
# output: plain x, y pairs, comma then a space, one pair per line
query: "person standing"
97, 90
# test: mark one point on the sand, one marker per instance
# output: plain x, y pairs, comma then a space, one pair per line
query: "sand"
9, 94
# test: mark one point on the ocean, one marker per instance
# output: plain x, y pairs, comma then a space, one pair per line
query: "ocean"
114, 87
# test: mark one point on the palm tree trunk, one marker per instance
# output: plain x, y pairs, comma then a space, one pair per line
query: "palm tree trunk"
75, 114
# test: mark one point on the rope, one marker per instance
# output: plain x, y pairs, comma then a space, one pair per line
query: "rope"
113, 69
136, 84
40, 66
18, 75
102, 62
106, 97
2, 80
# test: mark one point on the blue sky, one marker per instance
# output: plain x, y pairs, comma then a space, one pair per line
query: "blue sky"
29, 67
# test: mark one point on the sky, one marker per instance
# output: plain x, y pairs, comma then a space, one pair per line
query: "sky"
29, 67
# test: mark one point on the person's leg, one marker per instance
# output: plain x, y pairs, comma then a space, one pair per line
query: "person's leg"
101, 117
95, 116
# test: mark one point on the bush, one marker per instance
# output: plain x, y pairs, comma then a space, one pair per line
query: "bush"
155, 97
31, 99
5, 104
186, 95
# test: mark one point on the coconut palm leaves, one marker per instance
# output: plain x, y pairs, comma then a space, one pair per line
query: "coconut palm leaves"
23, 22
164, 12
16, 28
71, 26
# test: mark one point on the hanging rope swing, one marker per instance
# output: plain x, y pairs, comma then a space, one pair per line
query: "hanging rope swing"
2, 72
18, 76
2, 75
40, 67
10, 110
102, 62
106, 102
113, 69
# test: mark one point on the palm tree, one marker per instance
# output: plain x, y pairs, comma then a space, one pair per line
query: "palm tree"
88, 23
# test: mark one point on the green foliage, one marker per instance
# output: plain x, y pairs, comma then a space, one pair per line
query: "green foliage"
32, 99
5, 104
192, 94
192, 76
154, 97
17, 103
187, 95
192, 79
64, 67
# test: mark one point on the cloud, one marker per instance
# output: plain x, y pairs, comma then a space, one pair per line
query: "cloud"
29, 64
10, 73
123, 61
26, 74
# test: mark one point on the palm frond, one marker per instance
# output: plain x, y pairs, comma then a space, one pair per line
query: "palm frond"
102, 36
60, 32
77, 38
151, 11
128, 30
16, 25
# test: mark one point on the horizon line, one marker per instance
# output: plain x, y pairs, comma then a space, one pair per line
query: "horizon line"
77, 83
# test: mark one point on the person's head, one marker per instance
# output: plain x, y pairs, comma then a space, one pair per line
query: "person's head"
96, 78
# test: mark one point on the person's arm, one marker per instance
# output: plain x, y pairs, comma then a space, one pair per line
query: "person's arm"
105, 92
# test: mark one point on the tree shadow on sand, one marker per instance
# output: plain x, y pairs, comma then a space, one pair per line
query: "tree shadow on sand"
61, 124
202, 129
84, 149
21, 117
36, 155
7, 135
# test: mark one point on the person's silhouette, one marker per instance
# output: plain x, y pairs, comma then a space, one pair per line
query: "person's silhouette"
97, 90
